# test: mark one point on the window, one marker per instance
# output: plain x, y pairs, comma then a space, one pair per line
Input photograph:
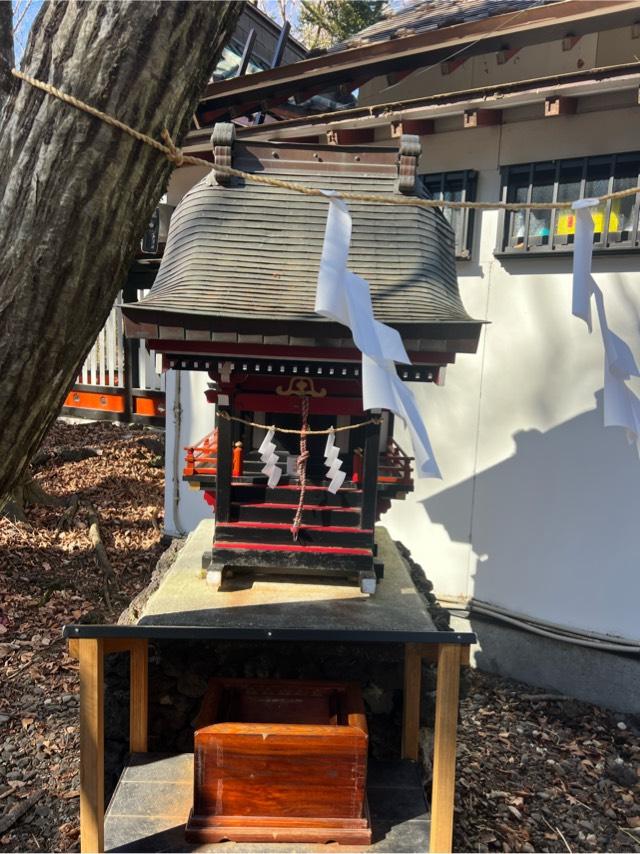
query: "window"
552, 230
455, 187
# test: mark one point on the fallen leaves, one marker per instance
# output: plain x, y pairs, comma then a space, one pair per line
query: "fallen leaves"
49, 578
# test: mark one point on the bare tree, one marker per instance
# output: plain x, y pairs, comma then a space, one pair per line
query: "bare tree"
75, 193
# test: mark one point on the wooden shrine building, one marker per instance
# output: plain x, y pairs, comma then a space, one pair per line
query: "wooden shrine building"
234, 296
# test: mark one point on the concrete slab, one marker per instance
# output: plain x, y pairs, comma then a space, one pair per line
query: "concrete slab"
259, 601
151, 803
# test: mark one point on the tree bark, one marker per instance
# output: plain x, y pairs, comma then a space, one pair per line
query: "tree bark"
77, 194
6, 48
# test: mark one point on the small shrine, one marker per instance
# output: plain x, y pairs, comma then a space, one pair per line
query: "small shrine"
296, 472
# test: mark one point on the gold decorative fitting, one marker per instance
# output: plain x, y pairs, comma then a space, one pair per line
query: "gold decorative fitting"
301, 387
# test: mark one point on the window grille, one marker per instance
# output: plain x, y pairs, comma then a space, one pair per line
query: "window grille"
545, 231
455, 187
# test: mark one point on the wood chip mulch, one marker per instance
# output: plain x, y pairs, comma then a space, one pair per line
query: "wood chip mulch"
533, 774
49, 577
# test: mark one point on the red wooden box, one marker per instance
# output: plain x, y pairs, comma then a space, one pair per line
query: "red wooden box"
280, 761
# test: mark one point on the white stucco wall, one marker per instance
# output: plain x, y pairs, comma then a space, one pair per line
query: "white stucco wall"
189, 418
537, 510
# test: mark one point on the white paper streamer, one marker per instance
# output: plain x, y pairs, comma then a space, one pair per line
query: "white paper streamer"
344, 297
270, 458
336, 481
334, 463
333, 455
330, 443
267, 447
621, 405
582, 253
334, 468
274, 477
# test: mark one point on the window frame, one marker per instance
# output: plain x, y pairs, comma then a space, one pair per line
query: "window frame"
606, 243
469, 178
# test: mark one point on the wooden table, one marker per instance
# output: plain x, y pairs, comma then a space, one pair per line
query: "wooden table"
184, 608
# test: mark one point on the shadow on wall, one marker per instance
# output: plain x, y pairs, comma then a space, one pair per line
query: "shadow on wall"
555, 528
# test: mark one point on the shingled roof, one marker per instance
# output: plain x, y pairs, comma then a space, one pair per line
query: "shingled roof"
435, 14
251, 252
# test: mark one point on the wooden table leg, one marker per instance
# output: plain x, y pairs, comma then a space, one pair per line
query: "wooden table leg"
138, 695
90, 652
411, 700
444, 748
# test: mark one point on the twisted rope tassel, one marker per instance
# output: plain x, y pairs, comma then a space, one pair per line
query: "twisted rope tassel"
302, 467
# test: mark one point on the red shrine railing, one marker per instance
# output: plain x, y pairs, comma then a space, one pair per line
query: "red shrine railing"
202, 459
395, 465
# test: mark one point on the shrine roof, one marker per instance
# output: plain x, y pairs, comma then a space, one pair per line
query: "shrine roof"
252, 252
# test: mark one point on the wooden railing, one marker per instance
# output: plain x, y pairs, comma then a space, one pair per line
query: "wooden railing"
202, 458
118, 380
395, 466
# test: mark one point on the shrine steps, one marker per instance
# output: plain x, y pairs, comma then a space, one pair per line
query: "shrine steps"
256, 531
312, 514
252, 493
292, 557
280, 532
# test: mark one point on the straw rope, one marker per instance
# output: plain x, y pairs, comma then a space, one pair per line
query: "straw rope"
326, 432
301, 466
177, 156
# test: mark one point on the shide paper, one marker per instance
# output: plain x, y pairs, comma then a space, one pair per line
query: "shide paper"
621, 405
344, 297
334, 464
270, 458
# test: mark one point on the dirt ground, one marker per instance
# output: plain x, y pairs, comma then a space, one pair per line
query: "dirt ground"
534, 774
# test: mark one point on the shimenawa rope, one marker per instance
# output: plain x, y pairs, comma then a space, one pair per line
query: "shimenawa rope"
177, 156
301, 465
227, 417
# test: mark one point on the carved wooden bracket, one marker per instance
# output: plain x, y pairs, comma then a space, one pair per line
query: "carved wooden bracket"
408, 154
222, 139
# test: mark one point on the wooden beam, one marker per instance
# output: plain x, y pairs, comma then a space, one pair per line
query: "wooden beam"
411, 700
73, 648
444, 748
370, 460
350, 136
138, 695
430, 652
91, 745
419, 127
223, 478
415, 51
503, 56
482, 118
197, 142
570, 41
450, 65
558, 105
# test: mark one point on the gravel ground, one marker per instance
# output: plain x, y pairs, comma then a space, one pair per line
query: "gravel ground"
533, 774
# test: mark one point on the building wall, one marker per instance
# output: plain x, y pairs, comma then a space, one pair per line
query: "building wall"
536, 512
614, 46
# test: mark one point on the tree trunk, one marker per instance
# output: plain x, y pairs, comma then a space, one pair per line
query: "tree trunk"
76, 194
